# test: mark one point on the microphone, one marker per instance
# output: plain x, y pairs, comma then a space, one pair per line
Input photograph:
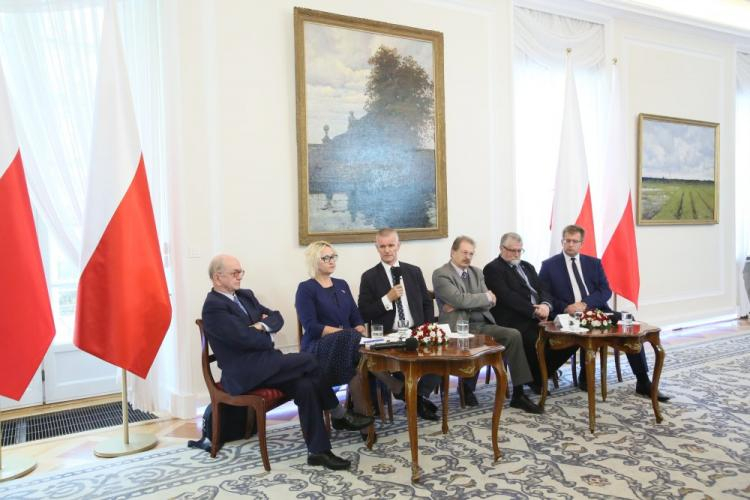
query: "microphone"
410, 344
396, 273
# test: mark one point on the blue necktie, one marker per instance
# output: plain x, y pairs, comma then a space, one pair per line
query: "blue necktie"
237, 301
534, 294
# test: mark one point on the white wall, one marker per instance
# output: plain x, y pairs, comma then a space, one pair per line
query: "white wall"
232, 136
232, 151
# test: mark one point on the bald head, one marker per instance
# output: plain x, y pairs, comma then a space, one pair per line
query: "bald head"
226, 273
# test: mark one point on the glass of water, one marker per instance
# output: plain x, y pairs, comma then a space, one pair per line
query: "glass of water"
578, 315
462, 327
403, 329
376, 330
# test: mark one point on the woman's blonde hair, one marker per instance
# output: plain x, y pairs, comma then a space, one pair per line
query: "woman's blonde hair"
312, 254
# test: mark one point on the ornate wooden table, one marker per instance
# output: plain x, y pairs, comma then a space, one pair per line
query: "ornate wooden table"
441, 360
627, 339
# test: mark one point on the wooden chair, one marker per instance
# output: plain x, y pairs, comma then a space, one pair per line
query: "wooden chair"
258, 402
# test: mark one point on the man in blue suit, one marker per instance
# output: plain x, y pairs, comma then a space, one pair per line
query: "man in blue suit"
577, 283
239, 329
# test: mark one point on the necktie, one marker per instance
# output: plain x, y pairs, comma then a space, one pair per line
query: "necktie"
579, 281
399, 305
465, 275
237, 301
534, 294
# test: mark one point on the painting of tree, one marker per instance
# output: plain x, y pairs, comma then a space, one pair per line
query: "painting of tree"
370, 128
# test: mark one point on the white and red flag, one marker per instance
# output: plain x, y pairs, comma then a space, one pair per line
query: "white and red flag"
26, 324
572, 198
123, 309
620, 257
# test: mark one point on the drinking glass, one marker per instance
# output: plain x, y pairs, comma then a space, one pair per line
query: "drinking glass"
462, 327
464, 343
627, 319
403, 329
376, 330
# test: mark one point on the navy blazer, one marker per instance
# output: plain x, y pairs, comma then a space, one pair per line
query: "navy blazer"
514, 308
375, 284
246, 355
555, 274
318, 307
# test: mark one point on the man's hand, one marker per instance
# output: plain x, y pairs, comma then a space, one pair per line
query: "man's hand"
541, 311
396, 292
576, 307
258, 326
492, 297
447, 308
361, 329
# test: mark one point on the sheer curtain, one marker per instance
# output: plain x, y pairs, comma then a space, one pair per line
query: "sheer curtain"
742, 177
49, 51
540, 43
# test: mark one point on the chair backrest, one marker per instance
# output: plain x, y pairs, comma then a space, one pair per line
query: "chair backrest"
206, 360
435, 301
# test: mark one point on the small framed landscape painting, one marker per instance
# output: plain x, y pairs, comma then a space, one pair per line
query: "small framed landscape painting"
678, 171
370, 129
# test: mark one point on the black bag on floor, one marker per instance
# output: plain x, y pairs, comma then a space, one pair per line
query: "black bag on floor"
233, 423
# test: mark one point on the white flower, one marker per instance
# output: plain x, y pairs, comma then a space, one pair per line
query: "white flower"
596, 322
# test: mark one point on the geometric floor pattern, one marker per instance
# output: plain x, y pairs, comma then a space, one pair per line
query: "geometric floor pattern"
700, 450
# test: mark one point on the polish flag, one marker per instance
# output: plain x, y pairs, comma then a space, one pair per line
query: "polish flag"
572, 202
620, 258
123, 309
26, 324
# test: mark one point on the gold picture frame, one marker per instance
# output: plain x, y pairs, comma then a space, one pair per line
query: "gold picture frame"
678, 171
370, 129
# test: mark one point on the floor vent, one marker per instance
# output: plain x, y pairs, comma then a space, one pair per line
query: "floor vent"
22, 430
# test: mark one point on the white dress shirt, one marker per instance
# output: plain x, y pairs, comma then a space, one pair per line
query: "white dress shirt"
576, 291
404, 301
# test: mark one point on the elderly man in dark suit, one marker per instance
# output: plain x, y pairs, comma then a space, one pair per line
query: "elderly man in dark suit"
395, 291
239, 331
522, 302
463, 295
577, 282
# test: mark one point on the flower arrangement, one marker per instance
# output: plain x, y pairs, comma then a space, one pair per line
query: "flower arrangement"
429, 334
595, 318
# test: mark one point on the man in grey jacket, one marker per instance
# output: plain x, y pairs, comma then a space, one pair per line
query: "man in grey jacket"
462, 294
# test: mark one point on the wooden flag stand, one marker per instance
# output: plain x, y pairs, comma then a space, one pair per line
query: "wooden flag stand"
136, 443
13, 467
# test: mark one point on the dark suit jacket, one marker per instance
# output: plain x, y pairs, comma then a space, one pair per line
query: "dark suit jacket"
375, 284
514, 308
245, 354
555, 274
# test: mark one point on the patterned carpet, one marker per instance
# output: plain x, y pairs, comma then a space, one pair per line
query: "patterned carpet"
701, 450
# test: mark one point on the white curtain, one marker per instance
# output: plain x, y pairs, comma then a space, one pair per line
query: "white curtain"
540, 44
742, 177
49, 51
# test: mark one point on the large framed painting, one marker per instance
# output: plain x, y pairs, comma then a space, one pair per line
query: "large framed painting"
678, 171
370, 128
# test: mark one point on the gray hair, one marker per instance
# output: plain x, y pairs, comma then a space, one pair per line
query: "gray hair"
510, 236
216, 266
386, 231
312, 254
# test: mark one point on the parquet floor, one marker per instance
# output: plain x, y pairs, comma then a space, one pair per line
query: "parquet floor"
67, 451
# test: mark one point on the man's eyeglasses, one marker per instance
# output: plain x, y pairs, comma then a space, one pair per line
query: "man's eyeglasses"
571, 242
519, 251
329, 258
237, 273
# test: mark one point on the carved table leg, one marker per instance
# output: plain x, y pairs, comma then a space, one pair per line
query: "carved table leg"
603, 369
590, 362
411, 411
502, 384
659, 354
446, 383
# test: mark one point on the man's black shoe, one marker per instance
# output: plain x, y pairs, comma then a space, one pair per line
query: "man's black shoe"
469, 398
328, 460
424, 412
351, 421
524, 403
428, 404
646, 391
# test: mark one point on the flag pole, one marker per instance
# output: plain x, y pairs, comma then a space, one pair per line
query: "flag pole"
130, 444
13, 467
